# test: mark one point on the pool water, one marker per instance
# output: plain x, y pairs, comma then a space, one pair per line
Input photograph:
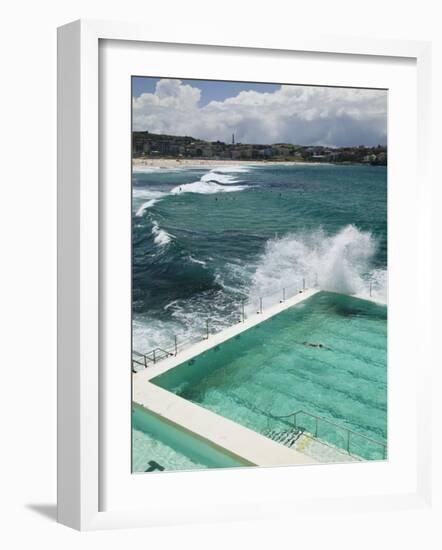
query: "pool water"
158, 445
269, 371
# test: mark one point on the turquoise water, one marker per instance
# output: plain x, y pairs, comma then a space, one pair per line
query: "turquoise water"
159, 444
206, 238
268, 371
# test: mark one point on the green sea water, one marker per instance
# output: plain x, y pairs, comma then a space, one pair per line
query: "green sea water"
203, 240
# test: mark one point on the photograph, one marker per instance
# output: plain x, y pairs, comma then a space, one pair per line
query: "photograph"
259, 274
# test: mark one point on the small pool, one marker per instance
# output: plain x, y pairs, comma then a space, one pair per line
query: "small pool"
158, 445
269, 371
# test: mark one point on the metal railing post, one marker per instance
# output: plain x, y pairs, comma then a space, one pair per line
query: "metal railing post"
349, 432
153, 356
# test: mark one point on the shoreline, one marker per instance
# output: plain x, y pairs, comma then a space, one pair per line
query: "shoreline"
164, 163
168, 163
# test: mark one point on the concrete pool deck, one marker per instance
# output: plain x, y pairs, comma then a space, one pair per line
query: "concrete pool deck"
225, 434
237, 440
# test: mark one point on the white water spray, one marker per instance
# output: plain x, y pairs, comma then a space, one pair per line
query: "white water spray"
338, 263
160, 236
211, 182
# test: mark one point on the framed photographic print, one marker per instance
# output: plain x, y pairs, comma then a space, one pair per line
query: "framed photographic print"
234, 286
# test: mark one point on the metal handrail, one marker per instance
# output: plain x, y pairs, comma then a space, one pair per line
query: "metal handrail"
152, 357
322, 419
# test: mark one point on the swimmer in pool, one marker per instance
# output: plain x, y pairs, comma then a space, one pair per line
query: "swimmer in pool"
315, 345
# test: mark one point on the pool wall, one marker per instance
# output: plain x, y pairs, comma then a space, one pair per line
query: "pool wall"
183, 441
223, 434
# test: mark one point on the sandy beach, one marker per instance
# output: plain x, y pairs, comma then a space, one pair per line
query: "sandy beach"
174, 163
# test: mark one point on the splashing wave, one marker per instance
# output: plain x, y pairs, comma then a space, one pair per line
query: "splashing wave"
339, 263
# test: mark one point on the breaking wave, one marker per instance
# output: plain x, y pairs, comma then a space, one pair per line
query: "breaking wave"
211, 182
195, 260
160, 236
342, 262
152, 196
218, 180
235, 168
339, 263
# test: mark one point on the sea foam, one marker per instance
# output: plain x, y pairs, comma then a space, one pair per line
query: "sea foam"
160, 236
339, 263
209, 183
152, 196
232, 168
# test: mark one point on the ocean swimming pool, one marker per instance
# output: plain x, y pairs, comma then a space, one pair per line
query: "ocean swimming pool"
158, 445
268, 371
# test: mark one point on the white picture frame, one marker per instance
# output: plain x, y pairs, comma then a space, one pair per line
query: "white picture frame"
80, 295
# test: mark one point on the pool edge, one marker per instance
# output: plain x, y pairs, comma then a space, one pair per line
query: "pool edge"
216, 339
230, 437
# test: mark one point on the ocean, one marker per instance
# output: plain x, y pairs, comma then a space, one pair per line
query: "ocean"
206, 238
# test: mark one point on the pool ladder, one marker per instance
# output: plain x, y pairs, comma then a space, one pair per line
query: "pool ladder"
350, 435
286, 437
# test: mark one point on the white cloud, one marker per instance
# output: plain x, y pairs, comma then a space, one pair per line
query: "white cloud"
295, 114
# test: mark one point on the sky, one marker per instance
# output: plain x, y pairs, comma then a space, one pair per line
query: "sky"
260, 113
